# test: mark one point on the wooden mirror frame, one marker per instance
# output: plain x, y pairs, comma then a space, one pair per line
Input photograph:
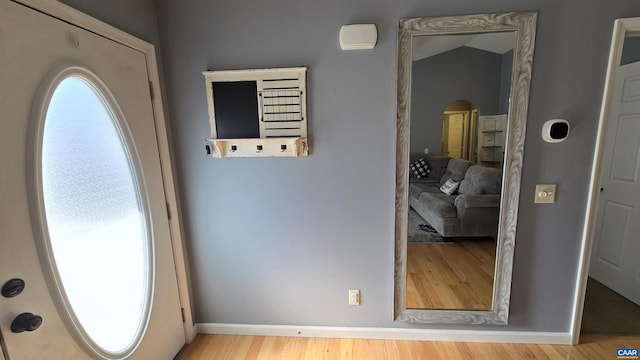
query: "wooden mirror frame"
524, 26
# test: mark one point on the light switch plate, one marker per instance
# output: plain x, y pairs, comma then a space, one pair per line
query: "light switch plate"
545, 194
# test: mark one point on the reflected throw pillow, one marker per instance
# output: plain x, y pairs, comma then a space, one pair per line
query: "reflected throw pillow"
449, 187
420, 168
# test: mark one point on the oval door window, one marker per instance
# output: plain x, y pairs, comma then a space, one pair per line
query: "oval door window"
96, 219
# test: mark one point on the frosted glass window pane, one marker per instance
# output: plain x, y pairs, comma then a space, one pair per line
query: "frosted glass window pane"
96, 225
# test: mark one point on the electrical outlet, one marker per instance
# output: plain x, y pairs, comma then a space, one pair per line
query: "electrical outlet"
426, 151
354, 297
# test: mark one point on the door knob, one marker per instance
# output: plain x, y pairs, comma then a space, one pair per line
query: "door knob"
26, 322
12, 288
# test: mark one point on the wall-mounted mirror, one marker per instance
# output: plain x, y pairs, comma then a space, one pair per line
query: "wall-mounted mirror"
463, 88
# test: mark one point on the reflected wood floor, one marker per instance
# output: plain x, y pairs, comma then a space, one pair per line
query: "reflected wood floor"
268, 347
451, 276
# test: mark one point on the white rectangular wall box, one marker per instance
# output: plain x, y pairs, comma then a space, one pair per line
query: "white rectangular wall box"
257, 113
358, 37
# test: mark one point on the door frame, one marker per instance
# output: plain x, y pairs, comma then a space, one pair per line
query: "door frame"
72, 16
620, 28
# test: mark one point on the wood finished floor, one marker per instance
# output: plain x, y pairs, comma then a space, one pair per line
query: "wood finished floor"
607, 312
261, 347
592, 346
451, 276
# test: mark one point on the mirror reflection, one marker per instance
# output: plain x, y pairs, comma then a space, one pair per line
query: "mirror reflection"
458, 124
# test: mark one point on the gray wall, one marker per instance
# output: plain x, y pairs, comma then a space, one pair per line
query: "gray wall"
137, 17
464, 73
505, 82
279, 241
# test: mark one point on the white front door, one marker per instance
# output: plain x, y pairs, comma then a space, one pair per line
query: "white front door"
616, 248
83, 217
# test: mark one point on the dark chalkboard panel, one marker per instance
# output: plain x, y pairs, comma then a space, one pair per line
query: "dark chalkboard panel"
236, 107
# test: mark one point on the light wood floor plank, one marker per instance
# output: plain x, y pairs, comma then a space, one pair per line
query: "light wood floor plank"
210, 347
451, 276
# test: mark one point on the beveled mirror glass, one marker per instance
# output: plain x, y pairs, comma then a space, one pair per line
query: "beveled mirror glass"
463, 85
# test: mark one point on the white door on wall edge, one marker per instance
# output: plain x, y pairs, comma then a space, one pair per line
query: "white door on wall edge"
86, 261
616, 247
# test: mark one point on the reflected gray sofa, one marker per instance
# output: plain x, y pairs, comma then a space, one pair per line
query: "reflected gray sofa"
473, 210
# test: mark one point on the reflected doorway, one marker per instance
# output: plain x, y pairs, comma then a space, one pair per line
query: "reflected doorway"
460, 131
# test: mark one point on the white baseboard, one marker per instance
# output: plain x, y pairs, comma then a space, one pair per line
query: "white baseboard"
523, 337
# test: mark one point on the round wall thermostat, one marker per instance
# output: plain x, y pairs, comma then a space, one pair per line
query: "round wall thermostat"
555, 130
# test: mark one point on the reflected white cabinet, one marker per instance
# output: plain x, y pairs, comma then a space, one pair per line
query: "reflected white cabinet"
492, 130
